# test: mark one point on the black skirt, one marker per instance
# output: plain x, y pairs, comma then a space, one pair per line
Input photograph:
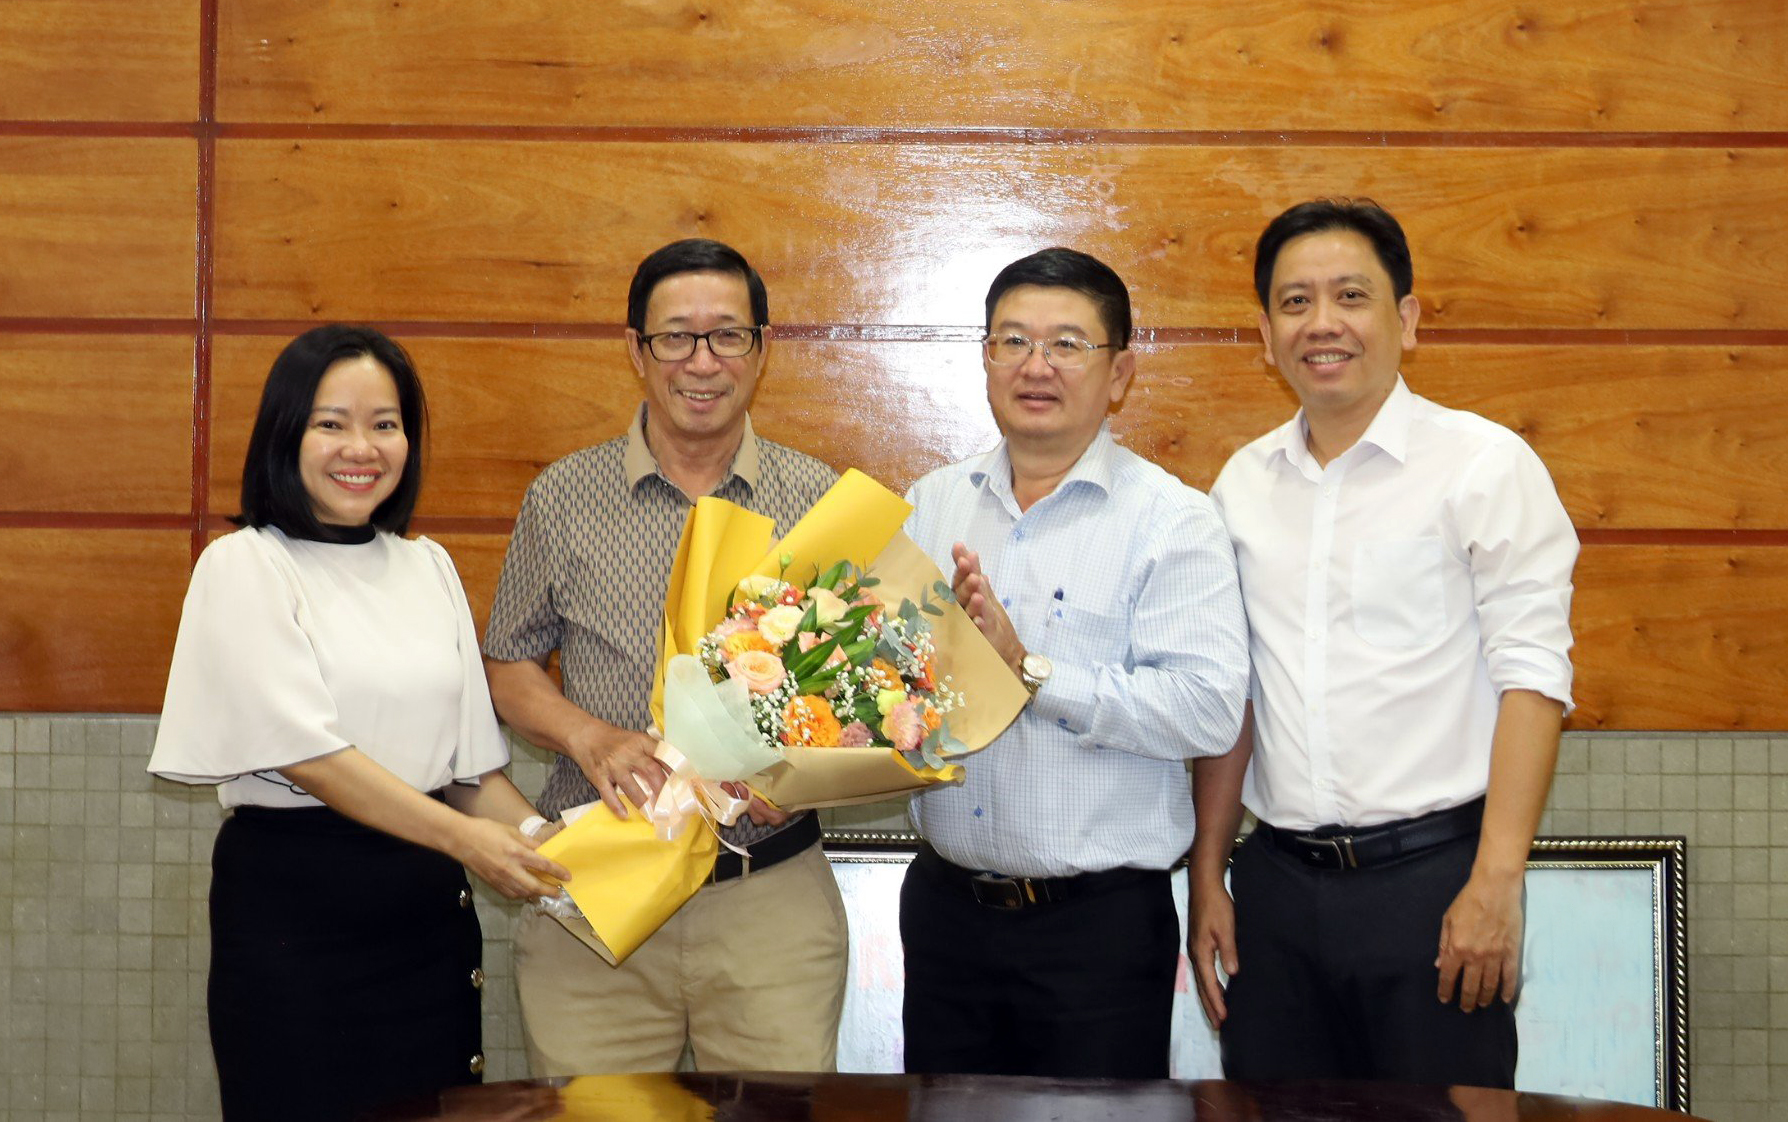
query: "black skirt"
344, 967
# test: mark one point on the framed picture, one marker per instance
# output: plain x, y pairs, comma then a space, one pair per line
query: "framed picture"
1603, 1010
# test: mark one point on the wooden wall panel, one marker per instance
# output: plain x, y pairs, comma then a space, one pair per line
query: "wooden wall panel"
1636, 437
1681, 637
96, 631
96, 423
99, 60
479, 559
97, 227
911, 234
1277, 64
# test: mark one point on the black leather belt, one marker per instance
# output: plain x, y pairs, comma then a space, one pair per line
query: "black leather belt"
780, 846
991, 890
1341, 847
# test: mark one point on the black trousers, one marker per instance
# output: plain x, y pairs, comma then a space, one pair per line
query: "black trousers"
1079, 988
342, 964
1337, 977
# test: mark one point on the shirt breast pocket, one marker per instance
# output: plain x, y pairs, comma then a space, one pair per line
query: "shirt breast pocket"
1399, 591
1083, 635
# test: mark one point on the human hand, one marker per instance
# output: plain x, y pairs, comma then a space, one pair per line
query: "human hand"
975, 593
1210, 934
1480, 941
505, 858
618, 762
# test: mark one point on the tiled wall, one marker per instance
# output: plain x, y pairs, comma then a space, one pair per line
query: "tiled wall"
104, 873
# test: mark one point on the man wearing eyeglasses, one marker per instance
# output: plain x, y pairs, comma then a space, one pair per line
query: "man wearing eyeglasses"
749, 974
1038, 919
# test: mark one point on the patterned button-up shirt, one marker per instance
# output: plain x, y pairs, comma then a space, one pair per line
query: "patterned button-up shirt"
587, 567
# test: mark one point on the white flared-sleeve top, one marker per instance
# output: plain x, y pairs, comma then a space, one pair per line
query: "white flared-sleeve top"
291, 649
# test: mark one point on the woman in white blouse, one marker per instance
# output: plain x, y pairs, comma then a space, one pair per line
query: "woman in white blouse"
327, 679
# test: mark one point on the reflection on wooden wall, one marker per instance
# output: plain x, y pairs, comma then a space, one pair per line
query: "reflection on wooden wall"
1593, 190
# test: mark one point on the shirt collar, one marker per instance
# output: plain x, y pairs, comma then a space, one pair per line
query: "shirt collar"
637, 461
1388, 432
1094, 467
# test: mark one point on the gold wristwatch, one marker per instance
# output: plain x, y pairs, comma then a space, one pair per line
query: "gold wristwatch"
1033, 671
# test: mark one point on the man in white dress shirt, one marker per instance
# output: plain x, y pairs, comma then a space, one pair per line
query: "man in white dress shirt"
1038, 921
1407, 575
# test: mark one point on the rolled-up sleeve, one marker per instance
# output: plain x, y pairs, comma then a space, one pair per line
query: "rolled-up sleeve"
1523, 549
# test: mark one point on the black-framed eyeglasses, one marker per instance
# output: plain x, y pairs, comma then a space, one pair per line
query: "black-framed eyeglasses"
723, 342
1064, 352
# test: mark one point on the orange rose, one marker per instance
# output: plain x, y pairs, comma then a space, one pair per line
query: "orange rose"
741, 641
808, 720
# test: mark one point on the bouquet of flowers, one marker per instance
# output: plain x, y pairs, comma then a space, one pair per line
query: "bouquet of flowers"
827, 665
838, 687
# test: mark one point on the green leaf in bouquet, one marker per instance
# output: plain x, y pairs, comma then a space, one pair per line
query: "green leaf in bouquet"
864, 710
909, 612
859, 651
807, 662
816, 683
829, 579
869, 582
928, 748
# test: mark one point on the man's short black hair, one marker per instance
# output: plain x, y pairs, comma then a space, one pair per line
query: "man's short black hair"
1058, 267
693, 255
273, 491
1363, 216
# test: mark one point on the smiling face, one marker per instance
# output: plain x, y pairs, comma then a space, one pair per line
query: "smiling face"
1335, 327
354, 447
699, 398
1042, 409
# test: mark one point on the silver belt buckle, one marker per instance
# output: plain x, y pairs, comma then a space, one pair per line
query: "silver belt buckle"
1343, 846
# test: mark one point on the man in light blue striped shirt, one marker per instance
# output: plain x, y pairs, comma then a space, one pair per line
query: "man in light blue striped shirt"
1038, 919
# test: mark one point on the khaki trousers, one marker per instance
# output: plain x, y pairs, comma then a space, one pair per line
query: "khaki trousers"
749, 973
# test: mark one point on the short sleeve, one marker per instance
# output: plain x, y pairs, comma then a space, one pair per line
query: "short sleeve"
480, 747
523, 622
245, 691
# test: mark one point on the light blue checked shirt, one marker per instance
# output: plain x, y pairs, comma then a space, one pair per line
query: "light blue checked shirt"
1124, 578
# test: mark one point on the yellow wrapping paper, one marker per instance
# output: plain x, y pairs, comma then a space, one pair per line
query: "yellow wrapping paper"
859, 521
625, 1098
626, 880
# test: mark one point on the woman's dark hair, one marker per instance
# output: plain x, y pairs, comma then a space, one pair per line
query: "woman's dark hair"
1058, 267
693, 255
1362, 216
273, 492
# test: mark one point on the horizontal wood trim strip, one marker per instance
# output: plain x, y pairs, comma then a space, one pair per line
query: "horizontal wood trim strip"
1640, 438
1146, 337
100, 228
822, 134
114, 61
438, 525
96, 633
543, 233
91, 520
1427, 64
